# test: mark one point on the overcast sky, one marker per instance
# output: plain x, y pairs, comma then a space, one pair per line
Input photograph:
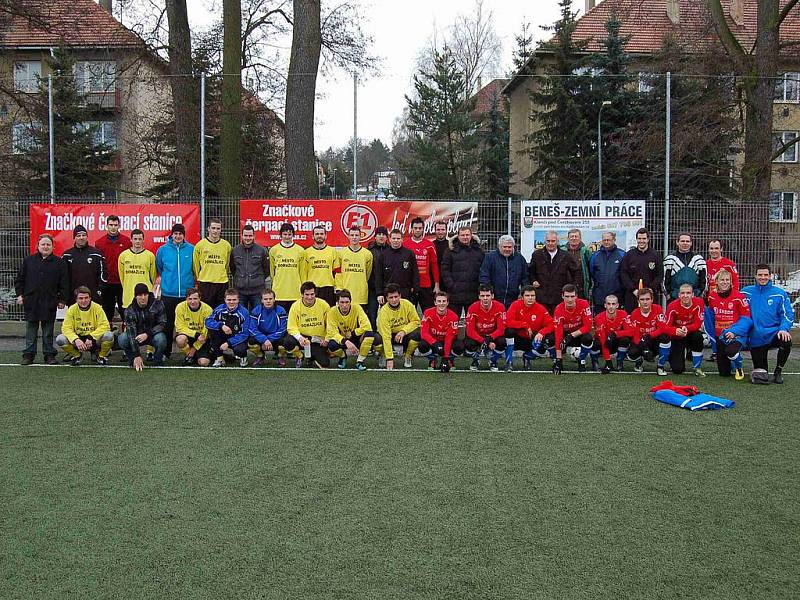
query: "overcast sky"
400, 30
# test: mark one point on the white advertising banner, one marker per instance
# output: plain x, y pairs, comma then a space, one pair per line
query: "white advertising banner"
591, 217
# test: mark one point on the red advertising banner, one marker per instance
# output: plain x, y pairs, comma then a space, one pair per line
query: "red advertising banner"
337, 216
155, 220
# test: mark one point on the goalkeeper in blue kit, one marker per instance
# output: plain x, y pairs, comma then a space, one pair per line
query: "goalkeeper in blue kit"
229, 329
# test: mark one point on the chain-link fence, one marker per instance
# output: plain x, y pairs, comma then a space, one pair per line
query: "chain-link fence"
749, 233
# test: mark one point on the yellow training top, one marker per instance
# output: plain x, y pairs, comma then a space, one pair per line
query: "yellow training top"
192, 323
344, 326
78, 322
285, 267
136, 267
210, 261
318, 265
394, 320
308, 321
356, 268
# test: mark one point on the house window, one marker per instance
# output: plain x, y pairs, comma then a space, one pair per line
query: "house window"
95, 76
779, 139
27, 74
787, 87
104, 133
23, 137
783, 207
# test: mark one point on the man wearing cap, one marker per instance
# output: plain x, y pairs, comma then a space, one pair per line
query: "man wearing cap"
174, 266
85, 265
145, 321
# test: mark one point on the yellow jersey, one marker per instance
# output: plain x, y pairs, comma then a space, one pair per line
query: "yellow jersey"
344, 326
91, 322
355, 269
210, 261
394, 320
318, 265
308, 321
136, 267
192, 323
285, 268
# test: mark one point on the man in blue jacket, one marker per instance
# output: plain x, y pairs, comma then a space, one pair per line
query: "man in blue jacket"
174, 265
505, 270
773, 316
229, 329
604, 269
267, 328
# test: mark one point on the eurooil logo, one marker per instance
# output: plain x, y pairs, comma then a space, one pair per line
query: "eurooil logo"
360, 216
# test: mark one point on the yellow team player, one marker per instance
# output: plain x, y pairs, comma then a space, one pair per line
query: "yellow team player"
355, 267
306, 328
398, 323
210, 262
349, 330
319, 264
136, 265
85, 329
285, 267
190, 328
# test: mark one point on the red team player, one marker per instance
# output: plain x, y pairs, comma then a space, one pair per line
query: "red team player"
486, 328
427, 263
527, 326
572, 321
438, 332
729, 321
646, 324
716, 262
612, 334
683, 322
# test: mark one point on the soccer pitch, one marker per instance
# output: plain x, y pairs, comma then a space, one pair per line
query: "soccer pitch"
233, 483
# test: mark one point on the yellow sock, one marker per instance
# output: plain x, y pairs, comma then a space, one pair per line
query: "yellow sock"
366, 346
71, 350
105, 349
412, 345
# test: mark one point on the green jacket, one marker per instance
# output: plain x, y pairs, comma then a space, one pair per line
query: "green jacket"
582, 255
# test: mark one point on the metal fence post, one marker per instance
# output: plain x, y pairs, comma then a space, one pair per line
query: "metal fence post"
202, 152
667, 162
52, 138
508, 226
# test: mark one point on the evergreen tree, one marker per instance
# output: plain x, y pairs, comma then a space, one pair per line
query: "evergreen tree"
524, 50
81, 163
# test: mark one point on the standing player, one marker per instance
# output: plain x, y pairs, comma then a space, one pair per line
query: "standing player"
285, 265
572, 322
191, 333
427, 263
438, 333
684, 265
728, 320
212, 257
612, 334
85, 265
307, 327
641, 267
355, 268
683, 322
136, 265
228, 329
528, 326
85, 329
111, 246
646, 324
398, 323
486, 327
174, 263
268, 323
348, 330
717, 262
319, 264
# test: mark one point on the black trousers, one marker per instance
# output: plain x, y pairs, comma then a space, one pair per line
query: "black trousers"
216, 338
472, 346
677, 356
112, 298
326, 293
425, 298
169, 307
759, 354
437, 348
319, 353
725, 352
212, 294
647, 345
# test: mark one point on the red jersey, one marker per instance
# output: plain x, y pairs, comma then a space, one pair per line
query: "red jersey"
427, 264
651, 324
482, 323
678, 315
439, 328
568, 321
727, 310
603, 326
529, 320
715, 266
111, 249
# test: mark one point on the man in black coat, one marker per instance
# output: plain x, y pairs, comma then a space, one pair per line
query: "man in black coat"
641, 267
378, 247
41, 286
552, 268
461, 268
397, 265
85, 265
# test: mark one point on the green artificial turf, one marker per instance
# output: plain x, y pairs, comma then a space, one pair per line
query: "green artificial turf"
302, 484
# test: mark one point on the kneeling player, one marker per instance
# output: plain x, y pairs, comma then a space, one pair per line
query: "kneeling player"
683, 322
612, 334
306, 328
268, 323
438, 333
398, 323
191, 333
486, 326
646, 324
349, 331
228, 329
528, 324
572, 322
85, 329
728, 320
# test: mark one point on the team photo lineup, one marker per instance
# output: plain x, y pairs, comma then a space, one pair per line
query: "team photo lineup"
442, 299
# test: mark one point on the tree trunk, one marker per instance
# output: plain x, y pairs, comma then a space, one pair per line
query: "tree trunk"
185, 100
231, 117
301, 172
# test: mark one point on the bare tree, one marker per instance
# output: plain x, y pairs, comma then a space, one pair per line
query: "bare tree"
475, 45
